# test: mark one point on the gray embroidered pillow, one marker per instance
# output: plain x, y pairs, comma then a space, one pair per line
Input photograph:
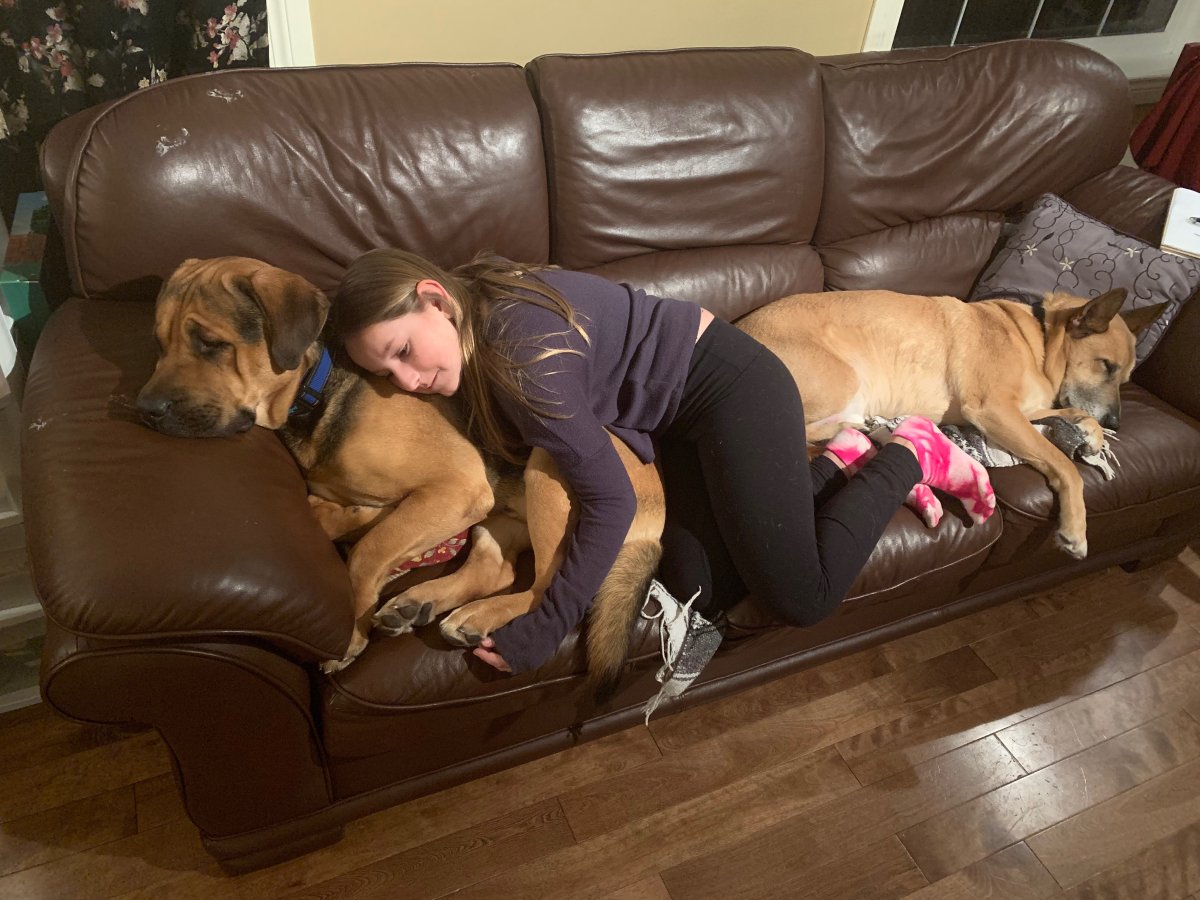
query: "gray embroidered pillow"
1055, 247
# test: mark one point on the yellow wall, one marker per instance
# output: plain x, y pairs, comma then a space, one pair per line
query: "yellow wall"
370, 31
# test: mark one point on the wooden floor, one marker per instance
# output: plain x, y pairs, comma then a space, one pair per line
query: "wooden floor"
1046, 748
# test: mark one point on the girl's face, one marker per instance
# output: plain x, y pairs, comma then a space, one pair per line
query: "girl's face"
418, 352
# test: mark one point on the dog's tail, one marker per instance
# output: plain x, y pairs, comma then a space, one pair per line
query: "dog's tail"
614, 612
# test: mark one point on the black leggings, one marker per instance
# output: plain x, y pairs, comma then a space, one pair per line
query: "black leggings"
746, 511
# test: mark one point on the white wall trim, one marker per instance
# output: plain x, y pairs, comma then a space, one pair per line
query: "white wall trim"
289, 28
881, 27
1138, 55
1151, 55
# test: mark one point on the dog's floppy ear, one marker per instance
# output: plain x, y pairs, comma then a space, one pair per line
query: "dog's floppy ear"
1137, 319
1093, 318
294, 312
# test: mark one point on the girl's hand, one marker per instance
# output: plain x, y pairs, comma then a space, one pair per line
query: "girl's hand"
485, 652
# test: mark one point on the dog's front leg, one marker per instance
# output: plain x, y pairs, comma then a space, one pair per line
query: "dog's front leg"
490, 567
1012, 430
549, 514
427, 515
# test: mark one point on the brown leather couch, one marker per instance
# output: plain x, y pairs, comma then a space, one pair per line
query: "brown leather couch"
185, 583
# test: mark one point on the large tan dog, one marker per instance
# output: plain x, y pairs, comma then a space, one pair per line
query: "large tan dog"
237, 338
995, 364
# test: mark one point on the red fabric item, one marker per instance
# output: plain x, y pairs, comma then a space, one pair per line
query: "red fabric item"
446, 550
1167, 142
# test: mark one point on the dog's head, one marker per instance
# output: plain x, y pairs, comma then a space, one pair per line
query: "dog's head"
1097, 350
235, 337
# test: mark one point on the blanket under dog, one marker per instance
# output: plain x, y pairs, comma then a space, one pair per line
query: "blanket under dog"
1066, 436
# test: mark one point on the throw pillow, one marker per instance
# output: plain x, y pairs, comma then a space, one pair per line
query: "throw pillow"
1055, 247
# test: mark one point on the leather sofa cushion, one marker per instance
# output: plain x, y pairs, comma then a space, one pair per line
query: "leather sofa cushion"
727, 281
305, 169
963, 129
941, 256
679, 150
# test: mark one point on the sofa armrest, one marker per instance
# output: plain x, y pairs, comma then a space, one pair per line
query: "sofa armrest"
237, 719
138, 536
1135, 202
1130, 200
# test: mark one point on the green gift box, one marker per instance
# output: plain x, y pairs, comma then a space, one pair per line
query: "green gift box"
24, 299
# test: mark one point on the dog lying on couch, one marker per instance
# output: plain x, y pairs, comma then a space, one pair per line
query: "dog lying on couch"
240, 345
996, 364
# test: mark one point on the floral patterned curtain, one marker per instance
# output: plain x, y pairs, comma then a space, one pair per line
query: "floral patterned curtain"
58, 59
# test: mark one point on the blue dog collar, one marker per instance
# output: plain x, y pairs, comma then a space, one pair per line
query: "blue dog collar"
311, 392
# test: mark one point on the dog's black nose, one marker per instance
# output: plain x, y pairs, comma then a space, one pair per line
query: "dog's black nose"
1112, 421
153, 407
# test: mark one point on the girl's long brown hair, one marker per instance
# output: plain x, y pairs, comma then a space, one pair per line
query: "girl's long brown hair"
381, 285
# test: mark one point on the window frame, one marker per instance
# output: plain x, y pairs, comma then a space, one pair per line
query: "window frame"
1140, 56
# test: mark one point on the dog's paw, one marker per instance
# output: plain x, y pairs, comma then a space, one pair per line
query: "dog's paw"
461, 631
1074, 547
1093, 434
400, 616
358, 643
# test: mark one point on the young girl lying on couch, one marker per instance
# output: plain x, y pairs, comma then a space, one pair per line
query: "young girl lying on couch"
557, 359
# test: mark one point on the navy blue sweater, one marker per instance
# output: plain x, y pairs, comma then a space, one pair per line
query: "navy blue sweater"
626, 379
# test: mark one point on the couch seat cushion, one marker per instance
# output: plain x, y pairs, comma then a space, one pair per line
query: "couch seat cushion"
400, 682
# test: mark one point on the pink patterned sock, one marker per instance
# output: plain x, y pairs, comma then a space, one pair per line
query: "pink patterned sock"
852, 448
924, 502
855, 449
946, 467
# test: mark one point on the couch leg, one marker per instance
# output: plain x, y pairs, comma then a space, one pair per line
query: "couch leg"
276, 853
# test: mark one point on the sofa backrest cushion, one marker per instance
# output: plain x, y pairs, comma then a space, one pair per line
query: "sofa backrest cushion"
695, 173
920, 144
303, 168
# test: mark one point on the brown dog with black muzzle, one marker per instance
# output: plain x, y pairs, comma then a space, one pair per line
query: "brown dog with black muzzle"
995, 364
240, 345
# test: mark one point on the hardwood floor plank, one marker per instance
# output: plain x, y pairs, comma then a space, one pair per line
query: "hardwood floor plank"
55, 833
1168, 869
1113, 606
1077, 725
785, 851
703, 826
681, 730
158, 802
423, 820
46, 785
939, 639
731, 753
902, 743
879, 871
43, 735
650, 888
456, 861
1012, 874
782, 699
140, 861
1090, 842
973, 831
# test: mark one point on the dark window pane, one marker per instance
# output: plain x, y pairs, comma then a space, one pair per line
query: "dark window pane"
1070, 18
927, 23
995, 20
1138, 16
